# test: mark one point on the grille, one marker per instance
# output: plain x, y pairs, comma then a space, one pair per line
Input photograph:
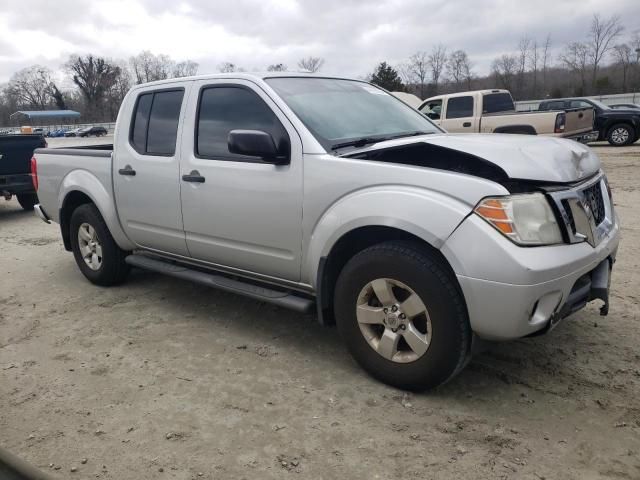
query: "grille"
593, 198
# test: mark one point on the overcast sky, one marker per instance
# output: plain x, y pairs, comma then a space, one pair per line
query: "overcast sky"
352, 35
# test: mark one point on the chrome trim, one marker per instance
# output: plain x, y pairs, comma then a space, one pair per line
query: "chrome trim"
40, 213
580, 210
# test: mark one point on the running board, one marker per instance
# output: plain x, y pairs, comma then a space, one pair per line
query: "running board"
277, 297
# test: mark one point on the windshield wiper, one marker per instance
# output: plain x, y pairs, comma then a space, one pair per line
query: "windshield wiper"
408, 134
361, 142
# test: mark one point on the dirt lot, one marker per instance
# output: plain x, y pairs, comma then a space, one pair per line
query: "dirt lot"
163, 379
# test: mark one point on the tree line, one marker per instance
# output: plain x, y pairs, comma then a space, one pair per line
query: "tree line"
604, 61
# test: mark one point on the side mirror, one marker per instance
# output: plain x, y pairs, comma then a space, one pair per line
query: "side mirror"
256, 143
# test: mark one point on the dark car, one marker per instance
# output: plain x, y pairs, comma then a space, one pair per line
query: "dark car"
16, 168
89, 131
617, 126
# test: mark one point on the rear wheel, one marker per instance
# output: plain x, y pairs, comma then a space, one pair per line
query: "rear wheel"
27, 200
97, 254
402, 316
621, 135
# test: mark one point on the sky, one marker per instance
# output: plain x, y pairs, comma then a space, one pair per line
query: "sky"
353, 36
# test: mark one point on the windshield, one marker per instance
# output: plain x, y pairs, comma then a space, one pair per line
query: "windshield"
340, 111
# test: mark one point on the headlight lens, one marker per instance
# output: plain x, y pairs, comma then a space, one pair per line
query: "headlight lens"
524, 219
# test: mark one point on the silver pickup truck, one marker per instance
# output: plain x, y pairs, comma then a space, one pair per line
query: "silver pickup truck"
332, 194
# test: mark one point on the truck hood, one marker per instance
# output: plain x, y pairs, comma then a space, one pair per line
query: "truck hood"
521, 157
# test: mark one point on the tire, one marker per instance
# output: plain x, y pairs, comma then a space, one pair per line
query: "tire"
444, 328
107, 259
621, 135
27, 200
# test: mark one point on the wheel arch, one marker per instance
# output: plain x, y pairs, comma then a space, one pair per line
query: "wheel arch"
81, 187
351, 243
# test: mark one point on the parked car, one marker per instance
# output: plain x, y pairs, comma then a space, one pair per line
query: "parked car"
493, 111
618, 127
56, 133
625, 106
331, 193
17, 168
92, 131
72, 133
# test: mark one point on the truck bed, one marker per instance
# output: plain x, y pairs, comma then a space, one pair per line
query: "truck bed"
56, 164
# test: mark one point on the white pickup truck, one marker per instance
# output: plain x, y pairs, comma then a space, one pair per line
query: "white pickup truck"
493, 111
331, 193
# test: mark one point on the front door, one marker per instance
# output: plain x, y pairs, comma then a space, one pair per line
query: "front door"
458, 115
146, 170
238, 211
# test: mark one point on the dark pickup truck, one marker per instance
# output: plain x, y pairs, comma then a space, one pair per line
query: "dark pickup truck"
619, 127
16, 152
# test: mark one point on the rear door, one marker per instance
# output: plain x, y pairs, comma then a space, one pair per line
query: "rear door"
146, 169
242, 214
459, 115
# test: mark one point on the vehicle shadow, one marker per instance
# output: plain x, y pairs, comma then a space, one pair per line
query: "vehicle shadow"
541, 363
10, 212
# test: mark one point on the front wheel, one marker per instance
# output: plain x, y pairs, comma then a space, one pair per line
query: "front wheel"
621, 135
96, 253
402, 316
27, 200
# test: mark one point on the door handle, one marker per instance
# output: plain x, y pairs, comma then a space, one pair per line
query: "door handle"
466, 124
194, 177
127, 170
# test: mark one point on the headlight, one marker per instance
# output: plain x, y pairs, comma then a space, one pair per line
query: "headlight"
524, 219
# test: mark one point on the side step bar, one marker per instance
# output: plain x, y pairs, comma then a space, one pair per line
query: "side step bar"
277, 297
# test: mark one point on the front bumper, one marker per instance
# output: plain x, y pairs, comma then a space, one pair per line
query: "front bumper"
513, 291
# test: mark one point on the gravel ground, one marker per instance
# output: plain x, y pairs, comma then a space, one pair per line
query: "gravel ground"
159, 378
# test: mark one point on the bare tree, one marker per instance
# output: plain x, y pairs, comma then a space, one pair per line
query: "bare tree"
31, 87
148, 67
546, 58
576, 58
95, 77
601, 37
57, 96
227, 67
523, 54
534, 60
123, 82
277, 67
458, 67
185, 69
624, 56
436, 61
311, 64
416, 70
504, 69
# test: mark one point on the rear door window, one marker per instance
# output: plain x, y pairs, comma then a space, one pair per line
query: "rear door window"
460, 107
155, 123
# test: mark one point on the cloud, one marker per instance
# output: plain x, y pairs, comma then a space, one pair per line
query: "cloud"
352, 35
